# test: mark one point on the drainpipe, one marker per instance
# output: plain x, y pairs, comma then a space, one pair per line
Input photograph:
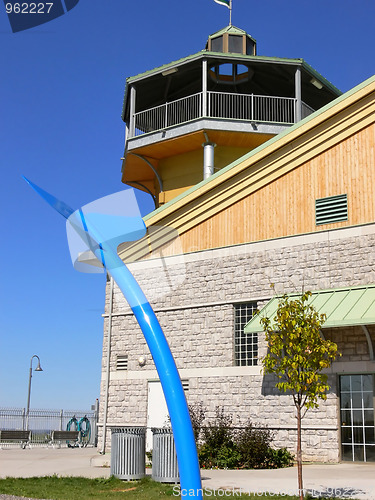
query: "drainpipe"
208, 158
108, 367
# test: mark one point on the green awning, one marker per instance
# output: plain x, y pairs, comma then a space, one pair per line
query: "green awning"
342, 306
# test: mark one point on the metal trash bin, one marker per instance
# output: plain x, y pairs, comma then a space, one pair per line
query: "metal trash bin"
164, 458
128, 452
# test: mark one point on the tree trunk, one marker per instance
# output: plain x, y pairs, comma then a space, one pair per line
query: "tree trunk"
299, 453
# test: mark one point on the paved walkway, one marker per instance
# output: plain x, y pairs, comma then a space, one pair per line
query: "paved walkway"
346, 480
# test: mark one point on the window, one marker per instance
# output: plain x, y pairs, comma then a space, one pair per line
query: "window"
331, 209
245, 345
235, 44
122, 362
217, 44
357, 418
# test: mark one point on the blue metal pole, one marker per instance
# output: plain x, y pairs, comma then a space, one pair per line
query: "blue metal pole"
106, 253
186, 450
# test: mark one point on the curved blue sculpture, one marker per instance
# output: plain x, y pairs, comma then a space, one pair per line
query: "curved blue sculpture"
101, 234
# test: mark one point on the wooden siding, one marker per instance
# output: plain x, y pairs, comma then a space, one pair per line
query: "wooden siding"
286, 206
271, 192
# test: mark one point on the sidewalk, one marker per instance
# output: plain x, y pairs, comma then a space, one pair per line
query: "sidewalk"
347, 480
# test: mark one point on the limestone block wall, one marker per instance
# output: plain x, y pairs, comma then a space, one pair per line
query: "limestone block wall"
194, 300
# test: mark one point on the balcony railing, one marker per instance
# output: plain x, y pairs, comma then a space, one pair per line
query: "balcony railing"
220, 105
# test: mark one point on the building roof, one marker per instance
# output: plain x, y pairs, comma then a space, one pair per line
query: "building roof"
152, 79
317, 133
342, 307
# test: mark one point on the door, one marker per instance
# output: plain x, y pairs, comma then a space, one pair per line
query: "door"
157, 411
357, 418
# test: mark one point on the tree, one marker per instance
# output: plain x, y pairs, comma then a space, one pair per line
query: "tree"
297, 353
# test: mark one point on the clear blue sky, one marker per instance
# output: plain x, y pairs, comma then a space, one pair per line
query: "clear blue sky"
62, 88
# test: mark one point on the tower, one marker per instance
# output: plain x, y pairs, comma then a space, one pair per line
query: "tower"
189, 118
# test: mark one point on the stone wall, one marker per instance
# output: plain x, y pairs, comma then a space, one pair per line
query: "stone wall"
193, 299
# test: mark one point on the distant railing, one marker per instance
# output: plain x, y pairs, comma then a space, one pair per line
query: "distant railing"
247, 107
42, 422
306, 110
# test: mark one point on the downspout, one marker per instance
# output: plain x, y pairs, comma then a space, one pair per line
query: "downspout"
208, 158
108, 367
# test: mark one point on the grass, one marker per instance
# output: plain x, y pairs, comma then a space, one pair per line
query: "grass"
79, 488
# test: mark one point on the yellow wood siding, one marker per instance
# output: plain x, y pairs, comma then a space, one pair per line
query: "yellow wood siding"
183, 171
271, 192
286, 206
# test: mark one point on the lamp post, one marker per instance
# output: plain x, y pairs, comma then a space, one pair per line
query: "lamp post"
37, 369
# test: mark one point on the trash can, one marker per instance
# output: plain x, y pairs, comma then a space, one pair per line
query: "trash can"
164, 458
128, 452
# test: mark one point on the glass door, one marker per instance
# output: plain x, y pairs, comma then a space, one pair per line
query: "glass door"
357, 418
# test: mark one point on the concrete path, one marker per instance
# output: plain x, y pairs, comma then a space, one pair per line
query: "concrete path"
345, 480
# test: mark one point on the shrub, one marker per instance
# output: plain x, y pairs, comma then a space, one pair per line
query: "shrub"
279, 458
197, 416
253, 443
219, 448
224, 446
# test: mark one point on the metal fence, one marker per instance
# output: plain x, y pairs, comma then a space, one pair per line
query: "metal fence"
41, 423
248, 107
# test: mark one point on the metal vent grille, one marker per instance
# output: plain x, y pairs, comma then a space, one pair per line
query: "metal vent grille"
331, 209
185, 385
122, 363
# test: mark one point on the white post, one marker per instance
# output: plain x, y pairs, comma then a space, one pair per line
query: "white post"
204, 87
132, 111
298, 95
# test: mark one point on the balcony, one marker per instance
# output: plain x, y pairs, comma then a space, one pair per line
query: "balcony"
254, 109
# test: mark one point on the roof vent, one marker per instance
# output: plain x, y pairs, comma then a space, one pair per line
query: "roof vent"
331, 209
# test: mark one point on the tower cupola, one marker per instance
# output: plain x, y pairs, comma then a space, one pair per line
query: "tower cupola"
189, 118
232, 40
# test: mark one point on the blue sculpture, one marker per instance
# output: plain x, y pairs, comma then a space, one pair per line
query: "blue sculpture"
101, 233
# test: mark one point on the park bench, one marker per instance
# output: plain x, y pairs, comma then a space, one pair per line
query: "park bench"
70, 437
14, 436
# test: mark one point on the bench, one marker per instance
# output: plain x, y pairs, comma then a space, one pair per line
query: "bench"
72, 438
13, 436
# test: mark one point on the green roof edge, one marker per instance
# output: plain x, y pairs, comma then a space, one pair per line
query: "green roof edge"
262, 146
291, 295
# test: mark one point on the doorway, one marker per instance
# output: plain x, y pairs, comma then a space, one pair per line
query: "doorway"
357, 418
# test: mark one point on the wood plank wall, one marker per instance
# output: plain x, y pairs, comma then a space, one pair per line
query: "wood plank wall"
286, 206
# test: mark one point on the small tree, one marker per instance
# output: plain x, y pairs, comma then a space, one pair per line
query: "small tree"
296, 355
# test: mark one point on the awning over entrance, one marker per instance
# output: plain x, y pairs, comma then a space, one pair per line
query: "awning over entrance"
342, 306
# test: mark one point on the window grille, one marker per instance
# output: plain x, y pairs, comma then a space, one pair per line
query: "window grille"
245, 345
331, 209
122, 362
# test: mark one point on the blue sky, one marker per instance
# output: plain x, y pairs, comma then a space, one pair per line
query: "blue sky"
61, 92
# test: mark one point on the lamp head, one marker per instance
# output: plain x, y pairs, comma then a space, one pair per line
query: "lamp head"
38, 368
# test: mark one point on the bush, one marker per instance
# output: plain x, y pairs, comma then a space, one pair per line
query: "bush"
219, 449
197, 416
226, 447
253, 443
279, 458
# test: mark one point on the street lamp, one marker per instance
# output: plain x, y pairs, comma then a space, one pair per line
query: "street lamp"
37, 369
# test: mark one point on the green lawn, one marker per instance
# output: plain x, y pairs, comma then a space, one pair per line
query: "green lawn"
79, 488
